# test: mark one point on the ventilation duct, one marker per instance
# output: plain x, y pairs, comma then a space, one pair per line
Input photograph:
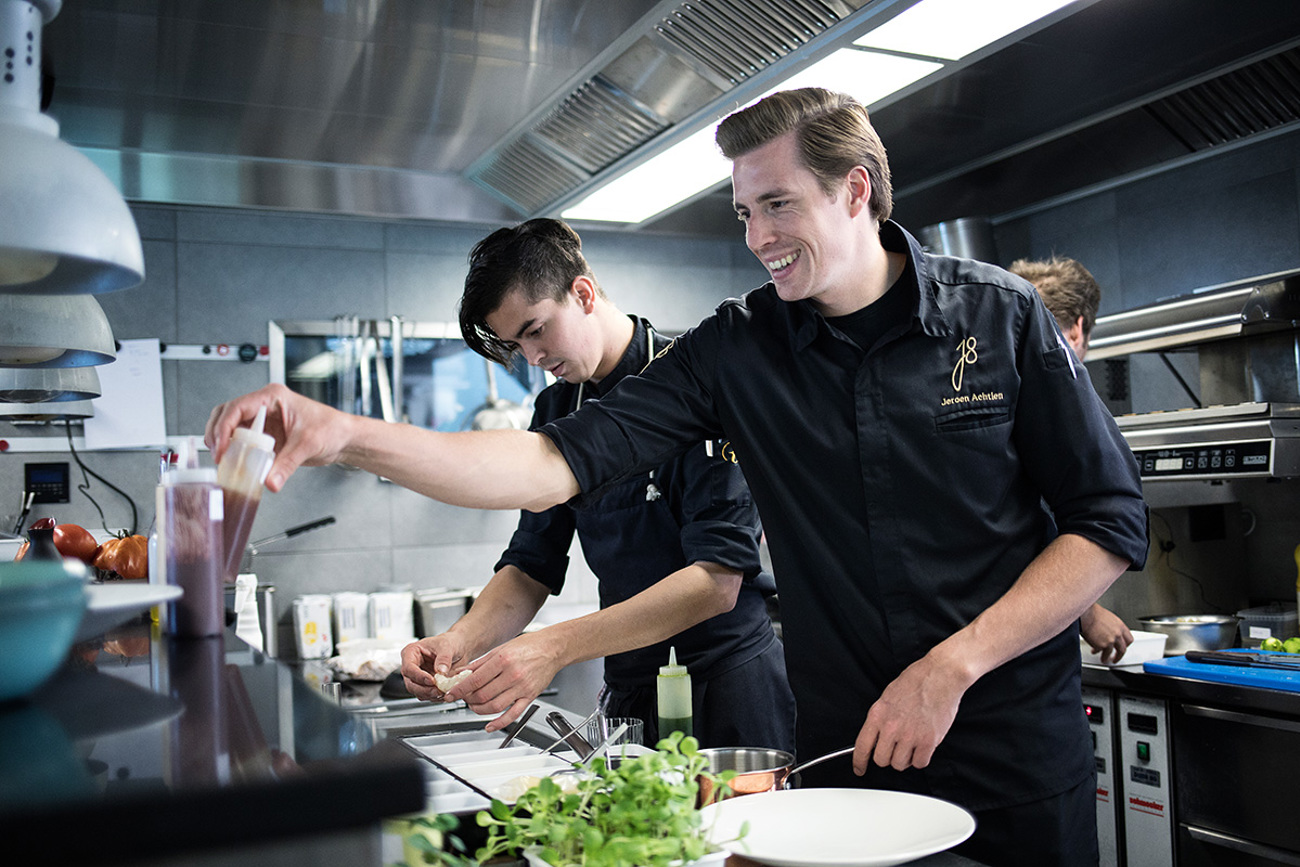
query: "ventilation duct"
1178, 124
680, 57
1255, 98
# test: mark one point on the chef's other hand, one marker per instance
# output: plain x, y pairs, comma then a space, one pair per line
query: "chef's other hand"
911, 717
306, 432
510, 677
437, 655
1105, 633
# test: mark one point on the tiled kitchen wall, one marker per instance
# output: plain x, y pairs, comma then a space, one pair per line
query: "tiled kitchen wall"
217, 276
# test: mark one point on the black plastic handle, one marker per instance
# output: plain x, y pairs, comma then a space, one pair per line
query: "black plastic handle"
1246, 659
303, 528
1216, 658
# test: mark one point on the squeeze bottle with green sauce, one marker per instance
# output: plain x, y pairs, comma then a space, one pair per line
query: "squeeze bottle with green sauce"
674, 693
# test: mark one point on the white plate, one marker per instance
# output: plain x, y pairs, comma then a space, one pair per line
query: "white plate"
838, 827
115, 602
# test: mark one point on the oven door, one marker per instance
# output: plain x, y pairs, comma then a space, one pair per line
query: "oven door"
1236, 785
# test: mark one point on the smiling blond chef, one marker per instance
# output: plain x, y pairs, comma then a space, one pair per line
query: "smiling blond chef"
899, 417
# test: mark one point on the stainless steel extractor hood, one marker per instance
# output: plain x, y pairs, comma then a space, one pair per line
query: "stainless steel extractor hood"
1247, 347
482, 111
1243, 308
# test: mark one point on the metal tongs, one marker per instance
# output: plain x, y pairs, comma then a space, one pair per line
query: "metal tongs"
570, 733
582, 769
599, 749
518, 726
567, 736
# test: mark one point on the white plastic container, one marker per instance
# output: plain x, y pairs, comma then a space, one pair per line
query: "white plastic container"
351, 616
392, 615
1146, 646
1267, 621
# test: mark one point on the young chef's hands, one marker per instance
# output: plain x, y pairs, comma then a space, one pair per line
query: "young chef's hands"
1105, 633
509, 677
306, 432
421, 660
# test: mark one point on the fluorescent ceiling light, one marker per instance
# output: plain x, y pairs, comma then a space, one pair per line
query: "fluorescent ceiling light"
952, 29
948, 29
64, 227
865, 75
686, 168
695, 164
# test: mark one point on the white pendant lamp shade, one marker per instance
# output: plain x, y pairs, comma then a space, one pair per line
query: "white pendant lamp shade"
64, 227
48, 384
54, 331
71, 410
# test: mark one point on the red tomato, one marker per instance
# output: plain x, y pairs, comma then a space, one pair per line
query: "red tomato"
75, 541
128, 557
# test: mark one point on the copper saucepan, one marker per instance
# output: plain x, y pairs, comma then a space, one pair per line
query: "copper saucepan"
757, 769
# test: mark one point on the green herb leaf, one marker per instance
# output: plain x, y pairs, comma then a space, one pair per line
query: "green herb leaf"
641, 813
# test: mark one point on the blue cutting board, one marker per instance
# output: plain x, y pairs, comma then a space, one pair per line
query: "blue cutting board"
1263, 678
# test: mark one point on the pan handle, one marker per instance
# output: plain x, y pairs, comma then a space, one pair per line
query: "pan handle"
312, 525
817, 761
254, 547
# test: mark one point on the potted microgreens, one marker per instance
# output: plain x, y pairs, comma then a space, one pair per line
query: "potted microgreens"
640, 812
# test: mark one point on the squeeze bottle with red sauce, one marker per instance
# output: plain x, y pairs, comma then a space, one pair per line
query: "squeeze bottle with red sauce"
241, 474
190, 525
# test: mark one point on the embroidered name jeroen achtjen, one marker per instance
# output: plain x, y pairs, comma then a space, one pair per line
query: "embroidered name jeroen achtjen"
972, 398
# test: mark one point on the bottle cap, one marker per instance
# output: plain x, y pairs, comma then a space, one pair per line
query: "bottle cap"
672, 669
253, 435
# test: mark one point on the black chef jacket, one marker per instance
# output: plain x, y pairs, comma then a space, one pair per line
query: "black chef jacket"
693, 507
901, 492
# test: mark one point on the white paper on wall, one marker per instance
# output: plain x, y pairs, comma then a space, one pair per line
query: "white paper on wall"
129, 413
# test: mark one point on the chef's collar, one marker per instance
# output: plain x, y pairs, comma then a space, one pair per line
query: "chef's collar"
634, 360
914, 280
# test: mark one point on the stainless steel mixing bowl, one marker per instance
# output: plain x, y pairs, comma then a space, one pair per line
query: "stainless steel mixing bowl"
1193, 631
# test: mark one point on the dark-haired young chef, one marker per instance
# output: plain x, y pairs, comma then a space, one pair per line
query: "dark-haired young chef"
675, 549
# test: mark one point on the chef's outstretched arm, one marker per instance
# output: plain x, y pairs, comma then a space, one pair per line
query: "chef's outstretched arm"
502, 469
